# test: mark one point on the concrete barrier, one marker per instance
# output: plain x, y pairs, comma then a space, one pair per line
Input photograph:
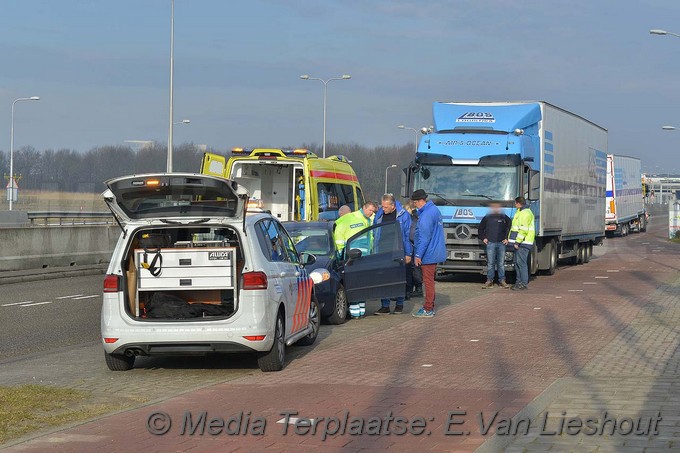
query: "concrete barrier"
40, 247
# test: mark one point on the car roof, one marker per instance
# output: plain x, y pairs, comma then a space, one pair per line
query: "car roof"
310, 225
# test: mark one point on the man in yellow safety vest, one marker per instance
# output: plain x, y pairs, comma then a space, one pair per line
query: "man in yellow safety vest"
521, 238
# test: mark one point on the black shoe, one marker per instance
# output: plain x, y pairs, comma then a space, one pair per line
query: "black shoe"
383, 311
518, 286
418, 292
398, 309
523, 287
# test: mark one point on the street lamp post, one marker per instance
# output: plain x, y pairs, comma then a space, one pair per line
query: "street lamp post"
415, 131
325, 92
11, 147
391, 166
656, 31
172, 76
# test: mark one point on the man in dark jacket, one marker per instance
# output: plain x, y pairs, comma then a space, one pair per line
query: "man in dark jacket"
392, 211
493, 231
430, 247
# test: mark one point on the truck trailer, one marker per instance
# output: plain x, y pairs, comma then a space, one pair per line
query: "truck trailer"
482, 152
625, 199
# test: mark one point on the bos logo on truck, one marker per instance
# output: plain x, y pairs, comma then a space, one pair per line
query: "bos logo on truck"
219, 255
476, 117
464, 214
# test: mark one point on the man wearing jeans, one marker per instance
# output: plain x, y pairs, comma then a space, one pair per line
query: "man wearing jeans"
493, 231
430, 247
522, 234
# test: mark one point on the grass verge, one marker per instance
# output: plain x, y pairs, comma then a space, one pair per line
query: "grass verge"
28, 408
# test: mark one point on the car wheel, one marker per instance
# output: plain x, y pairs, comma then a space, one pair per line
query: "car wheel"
339, 315
275, 358
118, 362
314, 321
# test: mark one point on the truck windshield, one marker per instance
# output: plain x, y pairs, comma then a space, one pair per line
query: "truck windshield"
468, 182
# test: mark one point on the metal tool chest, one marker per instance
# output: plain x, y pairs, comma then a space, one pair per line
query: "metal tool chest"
177, 269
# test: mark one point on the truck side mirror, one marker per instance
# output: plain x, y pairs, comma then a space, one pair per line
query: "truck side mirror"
405, 180
534, 185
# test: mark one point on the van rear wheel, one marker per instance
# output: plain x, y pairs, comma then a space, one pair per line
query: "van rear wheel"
119, 362
275, 358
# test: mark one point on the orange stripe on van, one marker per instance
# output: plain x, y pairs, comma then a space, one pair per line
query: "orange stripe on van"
333, 175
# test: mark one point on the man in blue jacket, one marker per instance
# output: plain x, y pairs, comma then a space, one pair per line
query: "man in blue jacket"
392, 211
430, 247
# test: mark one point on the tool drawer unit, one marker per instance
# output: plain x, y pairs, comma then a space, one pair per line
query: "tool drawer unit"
177, 269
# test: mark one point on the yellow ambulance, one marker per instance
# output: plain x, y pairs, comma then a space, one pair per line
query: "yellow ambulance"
292, 185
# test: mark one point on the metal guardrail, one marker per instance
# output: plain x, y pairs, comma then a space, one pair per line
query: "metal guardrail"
70, 217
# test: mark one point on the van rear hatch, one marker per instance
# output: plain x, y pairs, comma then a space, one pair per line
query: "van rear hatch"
171, 195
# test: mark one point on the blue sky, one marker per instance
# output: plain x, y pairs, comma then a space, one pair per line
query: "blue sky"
101, 68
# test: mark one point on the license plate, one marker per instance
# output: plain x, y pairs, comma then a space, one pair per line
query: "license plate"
460, 256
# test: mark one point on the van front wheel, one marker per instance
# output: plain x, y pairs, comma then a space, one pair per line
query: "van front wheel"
275, 358
118, 362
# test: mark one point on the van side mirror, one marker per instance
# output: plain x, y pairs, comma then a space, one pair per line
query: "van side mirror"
534, 185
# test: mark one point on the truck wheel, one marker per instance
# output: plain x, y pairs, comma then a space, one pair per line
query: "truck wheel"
533, 261
339, 315
276, 357
315, 321
643, 224
587, 252
119, 362
552, 257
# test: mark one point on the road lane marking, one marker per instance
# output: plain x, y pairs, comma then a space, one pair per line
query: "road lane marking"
426, 365
575, 290
68, 297
600, 276
474, 341
612, 270
85, 297
294, 420
17, 303
590, 283
37, 303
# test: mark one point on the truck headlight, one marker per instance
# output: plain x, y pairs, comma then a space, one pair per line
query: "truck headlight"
320, 275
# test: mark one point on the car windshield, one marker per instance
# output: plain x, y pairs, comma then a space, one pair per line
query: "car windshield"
467, 182
311, 240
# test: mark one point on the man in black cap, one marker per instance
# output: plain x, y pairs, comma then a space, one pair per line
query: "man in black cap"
430, 247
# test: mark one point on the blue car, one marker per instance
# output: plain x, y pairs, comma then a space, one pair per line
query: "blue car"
316, 238
375, 272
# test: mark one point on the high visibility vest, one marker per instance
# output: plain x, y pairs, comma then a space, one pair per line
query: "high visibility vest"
523, 230
349, 225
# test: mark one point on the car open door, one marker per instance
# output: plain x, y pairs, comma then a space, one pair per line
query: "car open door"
374, 264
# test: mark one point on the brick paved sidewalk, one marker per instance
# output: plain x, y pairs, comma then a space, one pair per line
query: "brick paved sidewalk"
497, 352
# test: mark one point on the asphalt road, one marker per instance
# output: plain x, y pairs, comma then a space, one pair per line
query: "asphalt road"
50, 314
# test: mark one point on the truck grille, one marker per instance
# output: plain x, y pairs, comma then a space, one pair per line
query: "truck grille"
461, 234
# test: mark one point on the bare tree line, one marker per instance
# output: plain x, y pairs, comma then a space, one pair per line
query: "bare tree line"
67, 170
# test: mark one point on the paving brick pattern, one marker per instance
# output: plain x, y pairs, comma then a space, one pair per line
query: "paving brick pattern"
603, 329
636, 375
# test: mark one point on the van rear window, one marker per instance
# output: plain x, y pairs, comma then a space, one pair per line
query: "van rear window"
174, 196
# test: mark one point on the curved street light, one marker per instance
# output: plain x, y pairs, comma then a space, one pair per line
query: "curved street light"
11, 148
415, 131
325, 91
391, 166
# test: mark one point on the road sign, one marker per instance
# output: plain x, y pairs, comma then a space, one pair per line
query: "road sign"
12, 190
